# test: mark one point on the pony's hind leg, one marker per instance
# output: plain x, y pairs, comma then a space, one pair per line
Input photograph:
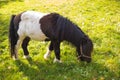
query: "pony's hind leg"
13, 50
24, 47
49, 50
15, 57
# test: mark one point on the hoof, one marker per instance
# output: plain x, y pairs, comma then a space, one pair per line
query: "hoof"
46, 56
14, 58
26, 56
57, 61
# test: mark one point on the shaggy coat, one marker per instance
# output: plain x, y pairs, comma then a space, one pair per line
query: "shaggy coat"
49, 27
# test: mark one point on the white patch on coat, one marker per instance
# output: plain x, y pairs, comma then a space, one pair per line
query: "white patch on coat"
30, 25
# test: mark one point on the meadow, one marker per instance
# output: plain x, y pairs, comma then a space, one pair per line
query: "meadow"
100, 19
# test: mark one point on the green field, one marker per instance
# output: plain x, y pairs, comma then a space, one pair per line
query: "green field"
100, 19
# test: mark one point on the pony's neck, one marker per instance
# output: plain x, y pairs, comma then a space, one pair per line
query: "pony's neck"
74, 35
69, 31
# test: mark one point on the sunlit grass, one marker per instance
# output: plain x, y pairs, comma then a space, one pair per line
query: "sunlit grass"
100, 19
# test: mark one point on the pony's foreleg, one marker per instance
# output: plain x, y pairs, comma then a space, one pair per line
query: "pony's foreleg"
49, 50
56, 46
24, 47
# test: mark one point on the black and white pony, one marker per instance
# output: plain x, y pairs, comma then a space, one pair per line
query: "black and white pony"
51, 27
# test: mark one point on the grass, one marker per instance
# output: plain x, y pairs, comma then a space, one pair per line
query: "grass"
100, 19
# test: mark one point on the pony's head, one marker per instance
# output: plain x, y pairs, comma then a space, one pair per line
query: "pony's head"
86, 49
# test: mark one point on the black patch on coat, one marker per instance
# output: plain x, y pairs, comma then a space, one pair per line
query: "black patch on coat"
59, 28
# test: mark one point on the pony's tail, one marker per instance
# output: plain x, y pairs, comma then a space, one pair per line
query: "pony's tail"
12, 36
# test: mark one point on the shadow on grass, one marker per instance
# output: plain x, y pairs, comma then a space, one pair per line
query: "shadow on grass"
28, 71
49, 71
